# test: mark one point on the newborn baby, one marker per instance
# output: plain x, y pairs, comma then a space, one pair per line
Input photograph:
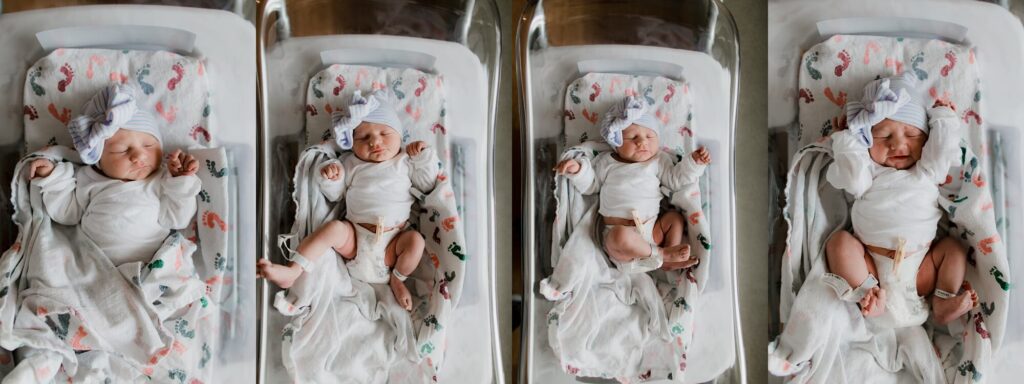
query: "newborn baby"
375, 179
892, 162
124, 199
629, 180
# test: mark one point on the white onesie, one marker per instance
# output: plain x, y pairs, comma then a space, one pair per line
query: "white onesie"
128, 220
895, 206
628, 189
378, 194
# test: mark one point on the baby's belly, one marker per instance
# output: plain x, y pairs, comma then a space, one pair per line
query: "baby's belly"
882, 218
126, 236
619, 200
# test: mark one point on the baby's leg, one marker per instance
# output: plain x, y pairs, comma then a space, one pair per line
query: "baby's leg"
943, 269
848, 259
403, 253
625, 244
668, 233
337, 234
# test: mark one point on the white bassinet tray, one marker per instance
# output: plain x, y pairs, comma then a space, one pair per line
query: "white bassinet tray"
997, 38
230, 87
294, 61
709, 83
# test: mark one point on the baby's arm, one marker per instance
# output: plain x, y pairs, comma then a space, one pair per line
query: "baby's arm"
851, 169
331, 180
581, 174
687, 171
424, 166
57, 183
941, 151
179, 188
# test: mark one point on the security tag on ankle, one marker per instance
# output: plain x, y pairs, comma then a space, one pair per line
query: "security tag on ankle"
399, 275
944, 294
643, 264
845, 291
302, 261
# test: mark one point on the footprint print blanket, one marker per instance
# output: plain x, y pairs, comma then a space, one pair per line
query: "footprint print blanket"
826, 340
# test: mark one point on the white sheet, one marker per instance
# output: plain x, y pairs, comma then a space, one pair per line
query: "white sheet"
555, 68
290, 65
233, 98
998, 36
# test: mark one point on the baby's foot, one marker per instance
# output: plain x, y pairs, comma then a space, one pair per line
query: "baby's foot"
947, 310
676, 253
281, 275
401, 293
873, 303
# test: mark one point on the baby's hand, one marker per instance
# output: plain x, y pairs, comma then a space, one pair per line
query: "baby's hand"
944, 103
701, 156
331, 171
182, 164
39, 168
414, 148
570, 167
838, 123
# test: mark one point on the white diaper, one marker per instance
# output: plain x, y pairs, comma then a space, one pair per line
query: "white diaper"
645, 264
368, 265
903, 307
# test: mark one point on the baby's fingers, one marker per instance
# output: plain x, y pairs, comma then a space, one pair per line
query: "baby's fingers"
191, 166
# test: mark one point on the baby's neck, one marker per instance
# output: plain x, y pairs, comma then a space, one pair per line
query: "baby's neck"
104, 174
619, 158
377, 162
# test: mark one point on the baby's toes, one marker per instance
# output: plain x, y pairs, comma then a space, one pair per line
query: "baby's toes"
971, 299
865, 303
679, 252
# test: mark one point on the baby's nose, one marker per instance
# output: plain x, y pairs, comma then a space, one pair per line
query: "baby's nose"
137, 155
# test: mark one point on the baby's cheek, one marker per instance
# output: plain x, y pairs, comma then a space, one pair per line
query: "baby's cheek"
878, 155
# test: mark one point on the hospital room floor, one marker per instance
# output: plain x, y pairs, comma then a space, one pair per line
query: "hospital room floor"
330, 18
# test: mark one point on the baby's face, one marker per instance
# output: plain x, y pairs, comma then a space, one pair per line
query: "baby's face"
639, 144
375, 142
130, 155
897, 145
